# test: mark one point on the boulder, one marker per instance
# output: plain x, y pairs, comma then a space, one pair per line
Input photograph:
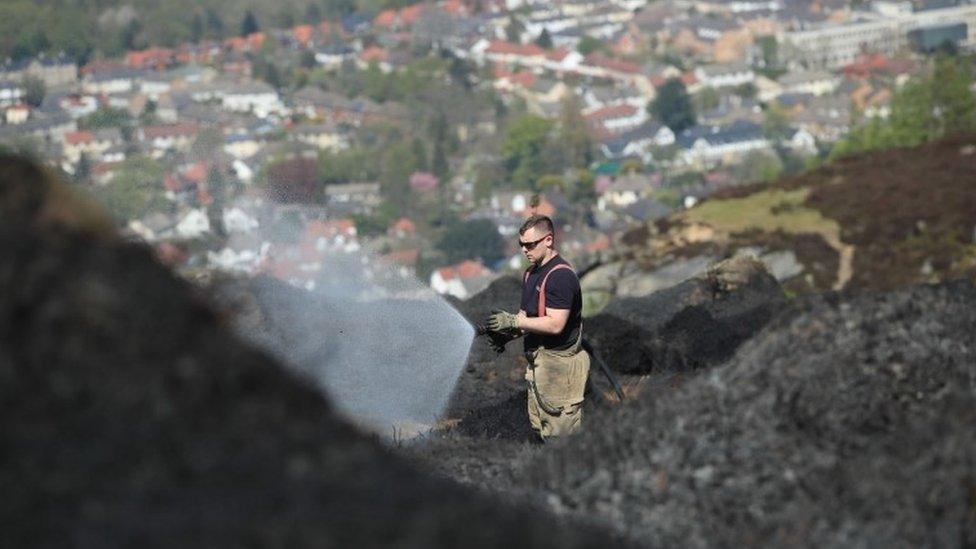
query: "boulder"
696, 323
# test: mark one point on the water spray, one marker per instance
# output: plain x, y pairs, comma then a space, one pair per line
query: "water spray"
386, 349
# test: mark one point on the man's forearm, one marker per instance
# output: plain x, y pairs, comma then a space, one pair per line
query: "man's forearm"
545, 325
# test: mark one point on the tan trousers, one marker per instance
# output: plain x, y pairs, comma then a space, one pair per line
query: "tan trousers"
557, 380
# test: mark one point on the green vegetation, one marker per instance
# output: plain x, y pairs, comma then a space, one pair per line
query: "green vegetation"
588, 45
673, 106
471, 240
80, 28
105, 117
768, 211
135, 191
927, 108
524, 147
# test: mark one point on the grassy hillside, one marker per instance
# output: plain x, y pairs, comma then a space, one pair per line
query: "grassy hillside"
876, 221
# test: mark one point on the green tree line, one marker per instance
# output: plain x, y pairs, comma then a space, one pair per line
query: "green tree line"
928, 107
83, 28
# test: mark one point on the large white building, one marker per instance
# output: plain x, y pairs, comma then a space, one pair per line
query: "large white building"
833, 46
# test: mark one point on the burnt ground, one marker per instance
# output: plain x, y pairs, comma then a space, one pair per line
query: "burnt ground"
131, 416
846, 421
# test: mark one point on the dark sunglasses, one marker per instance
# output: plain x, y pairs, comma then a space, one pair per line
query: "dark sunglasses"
531, 245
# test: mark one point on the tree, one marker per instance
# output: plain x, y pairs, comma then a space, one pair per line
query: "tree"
196, 27
924, 109
135, 191
34, 91
218, 191
514, 30
525, 141
746, 91
776, 124
438, 164
588, 45
544, 40
707, 99
760, 166
397, 166
313, 14
550, 182
249, 25
673, 106
214, 24
420, 154
83, 168
574, 137
105, 117
472, 240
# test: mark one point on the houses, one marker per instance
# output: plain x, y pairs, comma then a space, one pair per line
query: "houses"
193, 224
11, 93
165, 137
17, 114
353, 198
627, 190
638, 142
53, 71
815, 82
616, 119
328, 137
705, 145
461, 280
90, 143
111, 80
256, 97
725, 75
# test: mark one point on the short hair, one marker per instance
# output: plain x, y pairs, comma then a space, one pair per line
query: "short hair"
536, 220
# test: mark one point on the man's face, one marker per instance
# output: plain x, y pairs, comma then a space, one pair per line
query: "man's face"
535, 242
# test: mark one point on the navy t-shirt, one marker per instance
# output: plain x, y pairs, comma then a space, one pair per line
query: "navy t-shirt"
562, 292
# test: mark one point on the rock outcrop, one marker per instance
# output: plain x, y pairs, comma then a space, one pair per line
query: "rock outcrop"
697, 323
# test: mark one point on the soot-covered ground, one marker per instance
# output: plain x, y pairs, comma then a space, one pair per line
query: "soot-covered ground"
841, 420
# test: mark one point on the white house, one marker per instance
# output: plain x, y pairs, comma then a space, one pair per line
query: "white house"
626, 190
730, 143
802, 141
817, 82
256, 97
111, 81
193, 225
10, 94
618, 118
237, 221
462, 280
639, 142
725, 75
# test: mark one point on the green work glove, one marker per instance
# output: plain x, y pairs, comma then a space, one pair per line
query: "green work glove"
502, 322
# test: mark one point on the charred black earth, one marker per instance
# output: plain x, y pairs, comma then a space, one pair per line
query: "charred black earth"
841, 419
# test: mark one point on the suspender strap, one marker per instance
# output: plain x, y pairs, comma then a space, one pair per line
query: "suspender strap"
542, 287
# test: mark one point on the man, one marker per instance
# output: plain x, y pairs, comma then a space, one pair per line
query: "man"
550, 318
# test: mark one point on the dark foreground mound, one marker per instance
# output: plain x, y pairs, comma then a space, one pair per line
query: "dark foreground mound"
699, 322
130, 417
847, 422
